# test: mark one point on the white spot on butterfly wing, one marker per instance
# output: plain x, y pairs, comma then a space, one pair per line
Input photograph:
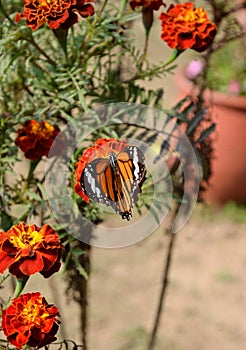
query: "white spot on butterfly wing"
135, 162
96, 191
137, 157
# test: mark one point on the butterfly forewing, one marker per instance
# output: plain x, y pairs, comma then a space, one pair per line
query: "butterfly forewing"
93, 180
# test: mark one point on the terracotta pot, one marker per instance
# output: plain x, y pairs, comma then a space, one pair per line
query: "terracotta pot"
228, 180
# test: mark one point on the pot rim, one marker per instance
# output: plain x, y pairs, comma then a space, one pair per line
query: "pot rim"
212, 96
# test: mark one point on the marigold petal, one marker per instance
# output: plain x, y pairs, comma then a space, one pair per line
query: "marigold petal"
147, 4
49, 258
85, 10
32, 265
25, 142
184, 26
54, 24
53, 269
5, 261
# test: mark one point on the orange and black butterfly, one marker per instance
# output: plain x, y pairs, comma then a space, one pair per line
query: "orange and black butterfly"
116, 180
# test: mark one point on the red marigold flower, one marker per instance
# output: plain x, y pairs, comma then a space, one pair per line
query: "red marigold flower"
57, 13
101, 149
28, 249
146, 4
186, 27
30, 320
35, 139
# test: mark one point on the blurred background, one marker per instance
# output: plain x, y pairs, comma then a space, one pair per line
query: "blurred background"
206, 299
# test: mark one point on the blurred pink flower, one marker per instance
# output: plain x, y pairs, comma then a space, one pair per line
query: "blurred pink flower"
234, 87
193, 69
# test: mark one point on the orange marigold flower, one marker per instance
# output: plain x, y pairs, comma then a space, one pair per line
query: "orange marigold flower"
146, 4
101, 149
28, 249
186, 27
30, 320
35, 139
57, 13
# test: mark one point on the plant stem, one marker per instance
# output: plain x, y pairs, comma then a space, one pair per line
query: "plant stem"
172, 58
102, 8
78, 285
123, 4
147, 31
165, 279
33, 42
20, 285
139, 75
33, 164
2, 9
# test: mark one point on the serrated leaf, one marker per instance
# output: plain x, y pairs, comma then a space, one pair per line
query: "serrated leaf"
81, 270
206, 133
193, 123
42, 190
154, 213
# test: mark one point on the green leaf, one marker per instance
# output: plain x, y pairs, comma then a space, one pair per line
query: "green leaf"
206, 133
6, 221
42, 190
61, 35
80, 269
193, 123
34, 195
154, 213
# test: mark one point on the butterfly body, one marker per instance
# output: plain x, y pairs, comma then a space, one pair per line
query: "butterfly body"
115, 180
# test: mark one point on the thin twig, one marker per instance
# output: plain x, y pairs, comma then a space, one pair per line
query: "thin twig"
2, 9
33, 42
165, 280
102, 8
221, 43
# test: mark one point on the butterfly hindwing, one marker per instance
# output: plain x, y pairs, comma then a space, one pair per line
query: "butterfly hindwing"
116, 180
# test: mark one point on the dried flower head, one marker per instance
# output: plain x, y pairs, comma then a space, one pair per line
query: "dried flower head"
35, 139
146, 4
28, 249
30, 320
186, 27
57, 13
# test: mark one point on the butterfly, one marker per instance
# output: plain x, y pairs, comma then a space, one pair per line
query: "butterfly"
115, 180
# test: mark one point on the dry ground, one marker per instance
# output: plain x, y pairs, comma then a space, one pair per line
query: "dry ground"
206, 301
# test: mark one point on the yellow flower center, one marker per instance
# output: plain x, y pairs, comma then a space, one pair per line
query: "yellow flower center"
33, 312
46, 3
26, 239
30, 312
196, 15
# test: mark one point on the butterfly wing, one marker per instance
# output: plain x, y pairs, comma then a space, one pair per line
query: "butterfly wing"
115, 181
131, 165
97, 181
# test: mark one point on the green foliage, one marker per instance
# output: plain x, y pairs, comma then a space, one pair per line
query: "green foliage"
235, 212
228, 65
